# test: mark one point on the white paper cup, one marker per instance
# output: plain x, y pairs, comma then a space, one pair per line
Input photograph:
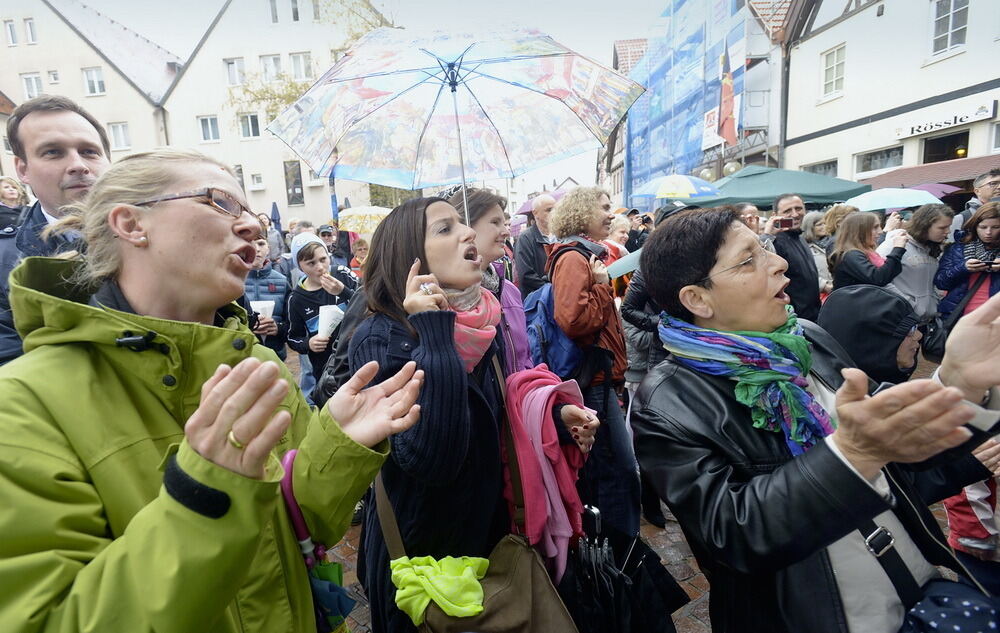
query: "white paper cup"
263, 308
329, 318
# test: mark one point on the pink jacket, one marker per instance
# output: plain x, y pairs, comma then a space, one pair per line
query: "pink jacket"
553, 510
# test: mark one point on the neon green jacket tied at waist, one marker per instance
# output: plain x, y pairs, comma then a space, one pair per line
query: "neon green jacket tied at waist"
90, 538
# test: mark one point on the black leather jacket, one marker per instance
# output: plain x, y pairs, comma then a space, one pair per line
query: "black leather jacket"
639, 309
758, 520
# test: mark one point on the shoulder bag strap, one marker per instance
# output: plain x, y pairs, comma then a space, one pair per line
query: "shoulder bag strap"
881, 544
517, 487
956, 314
387, 519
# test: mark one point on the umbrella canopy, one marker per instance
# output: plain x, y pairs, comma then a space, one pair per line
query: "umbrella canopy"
891, 197
761, 185
676, 186
625, 265
526, 207
936, 189
362, 219
416, 112
275, 217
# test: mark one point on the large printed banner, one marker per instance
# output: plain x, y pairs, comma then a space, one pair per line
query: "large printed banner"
677, 119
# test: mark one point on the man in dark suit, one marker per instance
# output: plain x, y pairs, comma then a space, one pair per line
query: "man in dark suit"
59, 150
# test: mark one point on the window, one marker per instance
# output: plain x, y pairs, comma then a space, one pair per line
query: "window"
249, 126
256, 182
93, 81
950, 20
833, 71
295, 10
947, 147
209, 127
301, 66
235, 71
53, 76
996, 137
317, 11
32, 85
8, 28
293, 182
29, 31
829, 168
119, 136
270, 67
6, 145
880, 159
238, 169
274, 11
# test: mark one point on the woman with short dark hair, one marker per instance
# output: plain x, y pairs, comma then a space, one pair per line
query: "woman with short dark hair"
765, 444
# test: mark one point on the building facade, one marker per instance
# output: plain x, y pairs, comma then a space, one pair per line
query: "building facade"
713, 62
148, 97
878, 88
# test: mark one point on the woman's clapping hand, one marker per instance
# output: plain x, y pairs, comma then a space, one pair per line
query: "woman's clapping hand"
370, 415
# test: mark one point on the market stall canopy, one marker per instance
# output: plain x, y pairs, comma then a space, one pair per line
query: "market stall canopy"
761, 185
944, 171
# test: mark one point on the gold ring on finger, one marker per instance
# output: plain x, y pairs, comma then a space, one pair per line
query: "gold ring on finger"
426, 289
238, 445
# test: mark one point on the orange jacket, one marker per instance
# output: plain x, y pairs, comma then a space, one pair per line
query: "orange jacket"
584, 308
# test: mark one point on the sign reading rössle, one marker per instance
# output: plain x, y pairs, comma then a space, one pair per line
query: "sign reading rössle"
976, 112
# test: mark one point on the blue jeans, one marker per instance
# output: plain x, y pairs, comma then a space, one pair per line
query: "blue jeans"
307, 382
610, 478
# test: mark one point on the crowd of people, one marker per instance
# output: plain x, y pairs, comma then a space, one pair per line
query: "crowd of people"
752, 373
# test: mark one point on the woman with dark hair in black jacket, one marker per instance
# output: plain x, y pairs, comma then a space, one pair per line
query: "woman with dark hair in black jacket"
770, 452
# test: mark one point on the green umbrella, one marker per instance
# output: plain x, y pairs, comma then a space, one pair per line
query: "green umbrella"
761, 185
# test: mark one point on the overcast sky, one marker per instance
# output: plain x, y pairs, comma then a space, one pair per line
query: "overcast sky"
587, 26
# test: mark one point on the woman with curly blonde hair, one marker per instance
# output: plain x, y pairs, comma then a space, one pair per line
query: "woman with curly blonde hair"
584, 308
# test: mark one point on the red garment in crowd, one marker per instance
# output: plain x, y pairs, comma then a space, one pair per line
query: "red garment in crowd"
552, 508
973, 520
356, 267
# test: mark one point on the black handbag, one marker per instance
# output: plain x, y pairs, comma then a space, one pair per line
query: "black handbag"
937, 330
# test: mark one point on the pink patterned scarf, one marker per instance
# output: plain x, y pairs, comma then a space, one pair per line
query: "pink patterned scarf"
476, 326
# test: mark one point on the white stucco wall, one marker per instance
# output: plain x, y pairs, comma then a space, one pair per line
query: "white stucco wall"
246, 31
888, 64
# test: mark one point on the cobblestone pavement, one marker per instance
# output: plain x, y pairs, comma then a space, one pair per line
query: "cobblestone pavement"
669, 543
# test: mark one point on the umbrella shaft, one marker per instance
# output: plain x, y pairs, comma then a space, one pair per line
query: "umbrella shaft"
461, 156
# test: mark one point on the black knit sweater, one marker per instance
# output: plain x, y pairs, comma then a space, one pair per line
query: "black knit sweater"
443, 475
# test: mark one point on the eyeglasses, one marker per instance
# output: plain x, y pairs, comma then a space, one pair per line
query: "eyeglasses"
766, 248
217, 199
994, 184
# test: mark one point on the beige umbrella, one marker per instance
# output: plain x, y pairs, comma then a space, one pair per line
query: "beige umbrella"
361, 219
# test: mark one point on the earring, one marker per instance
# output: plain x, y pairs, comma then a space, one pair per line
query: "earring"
143, 241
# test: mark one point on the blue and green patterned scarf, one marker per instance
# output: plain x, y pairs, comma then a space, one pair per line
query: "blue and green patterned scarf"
769, 370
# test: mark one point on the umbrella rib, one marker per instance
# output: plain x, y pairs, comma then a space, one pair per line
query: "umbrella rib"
492, 124
420, 139
492, 60
387, 102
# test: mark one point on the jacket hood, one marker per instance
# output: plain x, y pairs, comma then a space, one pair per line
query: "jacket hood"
49, 310
870, 322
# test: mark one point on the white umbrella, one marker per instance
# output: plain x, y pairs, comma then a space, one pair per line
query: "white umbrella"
361, 219
891, 198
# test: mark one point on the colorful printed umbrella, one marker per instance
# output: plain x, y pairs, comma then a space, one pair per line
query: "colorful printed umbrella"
362, 219
676, 186
416, 112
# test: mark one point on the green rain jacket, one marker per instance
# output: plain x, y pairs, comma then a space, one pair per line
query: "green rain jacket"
90, 538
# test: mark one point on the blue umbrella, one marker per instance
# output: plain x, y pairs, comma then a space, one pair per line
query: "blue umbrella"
275, 217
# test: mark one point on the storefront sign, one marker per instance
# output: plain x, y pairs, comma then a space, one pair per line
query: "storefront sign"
966, 115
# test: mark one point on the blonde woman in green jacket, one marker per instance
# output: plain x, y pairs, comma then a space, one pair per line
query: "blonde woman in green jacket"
141, 430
